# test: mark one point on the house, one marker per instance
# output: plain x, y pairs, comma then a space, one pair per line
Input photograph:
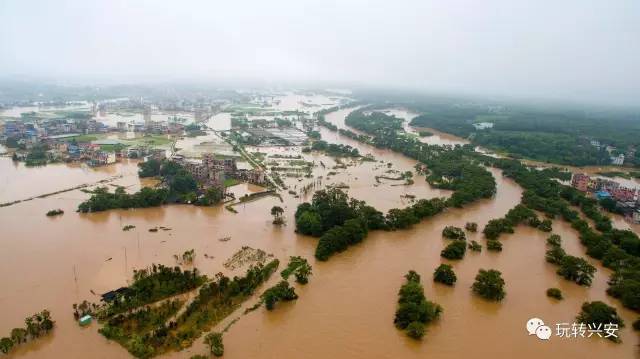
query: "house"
580, 182
618, 161
110, 296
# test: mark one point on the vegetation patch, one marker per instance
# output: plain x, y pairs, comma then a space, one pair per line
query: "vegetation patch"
454, 250
280, 292
554, 293
444, 274
599, 315
414, 310
37, 325
55, 212
471, 226
489, 285
155, 330
475, 246
452, 232
299, 267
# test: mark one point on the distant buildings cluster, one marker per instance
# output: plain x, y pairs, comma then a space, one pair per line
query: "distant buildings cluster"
212, 172
616, 159
627, 199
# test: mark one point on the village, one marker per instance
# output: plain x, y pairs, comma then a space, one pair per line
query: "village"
627, 200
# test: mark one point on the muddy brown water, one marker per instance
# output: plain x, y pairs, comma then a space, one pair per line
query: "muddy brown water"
346, 311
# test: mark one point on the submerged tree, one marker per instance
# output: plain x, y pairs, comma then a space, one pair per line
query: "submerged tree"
444, 274
489, 285
276, 212
214, 341
414, 310
598, 315
6, 344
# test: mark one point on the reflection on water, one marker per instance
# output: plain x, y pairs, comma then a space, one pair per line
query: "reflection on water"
346, 311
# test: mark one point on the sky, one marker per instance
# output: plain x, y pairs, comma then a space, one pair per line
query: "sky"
586, 50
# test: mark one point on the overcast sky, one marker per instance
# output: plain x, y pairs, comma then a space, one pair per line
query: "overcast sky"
573, 49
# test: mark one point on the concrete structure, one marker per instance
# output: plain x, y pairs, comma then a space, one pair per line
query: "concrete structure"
208, 172
580, 182
146, 115
618, 161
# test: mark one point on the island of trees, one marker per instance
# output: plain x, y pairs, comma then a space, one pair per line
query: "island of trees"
414, 310
178, 186
489, 285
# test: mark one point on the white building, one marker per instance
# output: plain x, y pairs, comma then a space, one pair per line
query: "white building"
618, 161
483, 125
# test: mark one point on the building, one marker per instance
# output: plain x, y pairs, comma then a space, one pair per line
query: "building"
483, 125
580, 182
229, 164
636, 216
624, 194
255, 176
102, 158
618, 161
208, 172
146, 115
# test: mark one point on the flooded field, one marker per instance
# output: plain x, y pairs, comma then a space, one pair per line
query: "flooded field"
346, 310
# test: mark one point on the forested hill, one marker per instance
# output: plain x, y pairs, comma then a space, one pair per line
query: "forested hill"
553, 134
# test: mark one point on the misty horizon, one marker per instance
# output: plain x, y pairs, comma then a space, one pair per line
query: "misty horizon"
577, 51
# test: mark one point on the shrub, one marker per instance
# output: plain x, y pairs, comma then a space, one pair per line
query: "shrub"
475, 246
452, 232
214, 340
444, 274
489, 285
55, 212
494, 245
554, 293
280, 292
555, 255
471, 226
416, 330
455, 250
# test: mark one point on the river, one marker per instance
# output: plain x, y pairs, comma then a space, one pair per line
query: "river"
346, 310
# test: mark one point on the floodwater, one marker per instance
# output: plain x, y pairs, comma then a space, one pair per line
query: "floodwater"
347, 309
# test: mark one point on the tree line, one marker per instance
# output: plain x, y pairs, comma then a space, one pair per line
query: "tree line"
178, 186
36, 326
617, 249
